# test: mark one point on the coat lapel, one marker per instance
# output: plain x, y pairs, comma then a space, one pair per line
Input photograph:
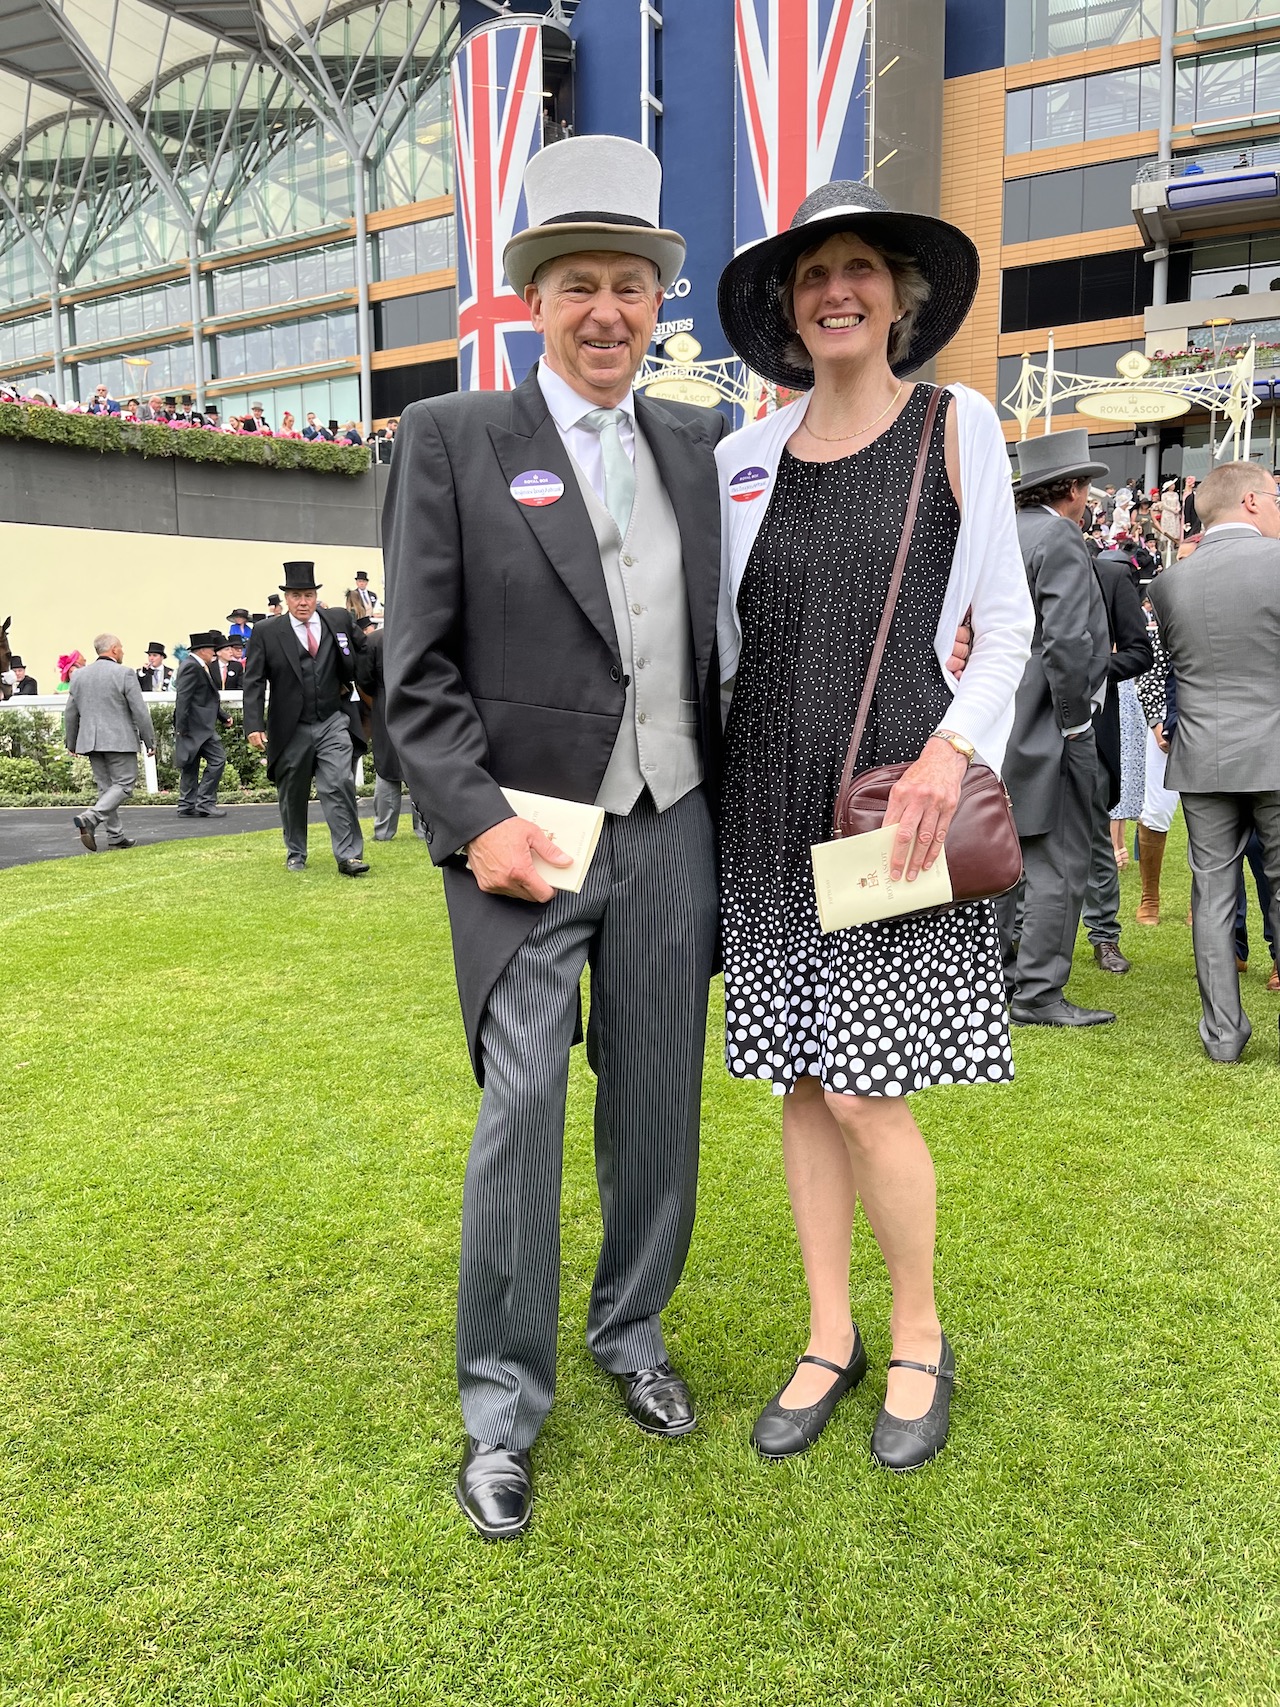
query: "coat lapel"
289, 646
688, 473
562, 529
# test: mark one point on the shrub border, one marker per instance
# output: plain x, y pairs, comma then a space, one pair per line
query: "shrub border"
107, 433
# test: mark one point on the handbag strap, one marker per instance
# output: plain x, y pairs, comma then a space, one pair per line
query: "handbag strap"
891, 597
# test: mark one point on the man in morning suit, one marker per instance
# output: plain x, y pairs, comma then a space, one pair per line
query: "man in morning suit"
310, 659
22, 682
1130, 656
1219, 613
226, 669
552, 568
1051, 761
197, 712
106, 718
155, 675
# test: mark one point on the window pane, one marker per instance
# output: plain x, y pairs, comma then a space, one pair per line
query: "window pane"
257, 350
254, 285
1013, 299
1016, 225
1017, 122
285, 346
1108, 191
1266, 89
1224, 86
311, 280
1184, 92
1058, 113
340, 267
1113, 103
283, 279
1056, 208
228, 292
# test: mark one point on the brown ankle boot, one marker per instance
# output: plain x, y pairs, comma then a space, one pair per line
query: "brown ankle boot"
1150, 858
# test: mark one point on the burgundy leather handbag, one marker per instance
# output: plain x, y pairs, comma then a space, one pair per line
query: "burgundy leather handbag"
984, 856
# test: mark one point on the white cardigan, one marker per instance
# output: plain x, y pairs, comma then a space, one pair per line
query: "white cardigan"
987, 573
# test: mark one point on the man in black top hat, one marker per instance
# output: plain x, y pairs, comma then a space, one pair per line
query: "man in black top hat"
155, 675
274, 607
22, 682
227, 668
1051, 761
310, 659
197, 712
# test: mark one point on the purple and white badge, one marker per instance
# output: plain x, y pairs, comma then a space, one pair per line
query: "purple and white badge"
748, 483
536, 488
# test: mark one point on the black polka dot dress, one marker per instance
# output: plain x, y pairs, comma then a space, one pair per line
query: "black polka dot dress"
875, 1010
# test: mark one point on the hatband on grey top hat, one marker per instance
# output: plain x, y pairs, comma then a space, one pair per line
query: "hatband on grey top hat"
1056, 456
593, 192
752, 313
300, 578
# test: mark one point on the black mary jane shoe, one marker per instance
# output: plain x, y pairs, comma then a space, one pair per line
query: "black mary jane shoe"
658, 1401
495, 1489
781, 1432
899, 1443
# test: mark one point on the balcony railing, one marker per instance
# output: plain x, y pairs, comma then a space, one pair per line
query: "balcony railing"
1230, 160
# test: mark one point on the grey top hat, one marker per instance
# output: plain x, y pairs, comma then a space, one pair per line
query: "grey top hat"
750, 291
593, 192
1056, 456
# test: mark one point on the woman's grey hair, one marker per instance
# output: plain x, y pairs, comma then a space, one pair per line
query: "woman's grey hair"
910, 286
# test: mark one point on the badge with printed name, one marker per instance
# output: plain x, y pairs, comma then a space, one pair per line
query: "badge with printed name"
748, 483
536, 488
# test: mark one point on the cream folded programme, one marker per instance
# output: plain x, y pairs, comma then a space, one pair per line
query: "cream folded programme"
853, 887
570, 824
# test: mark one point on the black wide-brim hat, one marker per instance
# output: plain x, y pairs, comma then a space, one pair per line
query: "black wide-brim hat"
300, 578
751, 311
239, 611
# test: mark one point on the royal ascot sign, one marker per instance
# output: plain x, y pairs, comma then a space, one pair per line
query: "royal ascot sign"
1134, 404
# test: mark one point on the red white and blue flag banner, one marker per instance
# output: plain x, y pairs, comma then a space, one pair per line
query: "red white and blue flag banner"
497, 126
801, 106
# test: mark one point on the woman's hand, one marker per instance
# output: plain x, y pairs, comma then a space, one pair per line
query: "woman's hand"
922, 805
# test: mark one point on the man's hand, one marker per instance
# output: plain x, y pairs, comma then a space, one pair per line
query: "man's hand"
922, 805
962, 647
501, 860
151, 752
1158, 731
257, 740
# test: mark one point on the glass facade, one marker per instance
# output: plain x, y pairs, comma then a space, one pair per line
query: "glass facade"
1059, 204
1038, 29
1203, 14
285, 344
329, 399
1064, 293
1082, 109
1232, 266
1227, 85
128, 314
22, 339
283, 278
405, 249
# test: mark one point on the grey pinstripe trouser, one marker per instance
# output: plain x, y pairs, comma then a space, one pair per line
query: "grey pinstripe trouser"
645, 919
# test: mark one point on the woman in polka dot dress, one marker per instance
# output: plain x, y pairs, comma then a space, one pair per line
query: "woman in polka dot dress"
846, 1026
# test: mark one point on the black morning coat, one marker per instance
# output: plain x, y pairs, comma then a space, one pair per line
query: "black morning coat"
196, 709
385, 762
1131, 656
235, 675
275, 656
501, 657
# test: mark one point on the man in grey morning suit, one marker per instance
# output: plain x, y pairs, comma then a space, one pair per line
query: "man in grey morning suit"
552, 571
1219, 612
1051, 761
106, 719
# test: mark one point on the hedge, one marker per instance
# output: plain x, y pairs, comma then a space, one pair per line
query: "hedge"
105, 433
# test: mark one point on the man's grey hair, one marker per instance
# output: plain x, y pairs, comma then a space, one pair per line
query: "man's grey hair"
104, 643
910, 286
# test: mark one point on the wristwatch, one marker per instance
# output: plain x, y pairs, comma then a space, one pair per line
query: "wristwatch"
965, 748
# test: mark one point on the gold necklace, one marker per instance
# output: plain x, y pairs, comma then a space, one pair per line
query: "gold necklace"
843, 438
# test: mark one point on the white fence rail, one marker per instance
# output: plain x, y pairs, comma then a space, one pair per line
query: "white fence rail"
58, 702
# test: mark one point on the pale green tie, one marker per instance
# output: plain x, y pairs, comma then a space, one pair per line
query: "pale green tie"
619, 475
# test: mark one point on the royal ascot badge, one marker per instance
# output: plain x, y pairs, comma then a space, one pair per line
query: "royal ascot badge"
537, 488
342, 641
748, 484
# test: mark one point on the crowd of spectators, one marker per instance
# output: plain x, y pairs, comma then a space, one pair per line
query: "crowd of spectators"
181, 412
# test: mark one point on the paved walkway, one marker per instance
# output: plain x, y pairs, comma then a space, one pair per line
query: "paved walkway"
30, 833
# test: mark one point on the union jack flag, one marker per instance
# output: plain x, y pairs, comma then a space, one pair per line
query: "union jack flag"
801, 108
497, 126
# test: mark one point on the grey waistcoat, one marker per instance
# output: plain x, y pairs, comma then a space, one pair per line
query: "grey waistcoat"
657, 744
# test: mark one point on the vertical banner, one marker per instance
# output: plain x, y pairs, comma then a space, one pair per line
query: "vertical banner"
496, 83
801, 114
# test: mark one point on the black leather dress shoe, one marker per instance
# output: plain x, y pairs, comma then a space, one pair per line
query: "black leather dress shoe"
1061, 1012
658, 1400
1109, 957
211, 812
352, 867
186, 812
123, 842
781, 1432
495, 1489
899, 1443
296, 862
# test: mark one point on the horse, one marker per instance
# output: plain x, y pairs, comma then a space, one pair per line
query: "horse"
6, 659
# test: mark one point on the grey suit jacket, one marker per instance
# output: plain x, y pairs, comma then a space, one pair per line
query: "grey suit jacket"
1219, 614
106, 712
1067, 666
501, 654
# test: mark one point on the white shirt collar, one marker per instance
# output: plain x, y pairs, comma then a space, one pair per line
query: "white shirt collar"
309, 626
566, 406
1222, 527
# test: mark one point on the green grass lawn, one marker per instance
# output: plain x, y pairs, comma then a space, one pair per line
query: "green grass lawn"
237, 1107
